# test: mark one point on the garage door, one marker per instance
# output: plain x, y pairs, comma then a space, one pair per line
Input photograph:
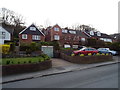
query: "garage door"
47, 50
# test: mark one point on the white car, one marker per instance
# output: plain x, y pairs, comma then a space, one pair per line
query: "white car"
107, 50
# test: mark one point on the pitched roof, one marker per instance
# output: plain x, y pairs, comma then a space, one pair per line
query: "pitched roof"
8, 28
103, 35
28, 31
78, 32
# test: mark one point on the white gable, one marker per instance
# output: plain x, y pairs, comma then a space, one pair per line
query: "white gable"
4, 35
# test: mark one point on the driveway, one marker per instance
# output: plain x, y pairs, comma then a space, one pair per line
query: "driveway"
56, 62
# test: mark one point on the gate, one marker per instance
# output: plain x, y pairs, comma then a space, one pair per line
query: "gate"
47, 50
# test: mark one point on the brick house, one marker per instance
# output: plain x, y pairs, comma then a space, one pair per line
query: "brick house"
31, 34
53, 33
98, 35
66, 37
72, 38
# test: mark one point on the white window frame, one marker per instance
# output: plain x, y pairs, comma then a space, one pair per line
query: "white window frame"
56, 37
24, 36
56, 29
32, 28
91, 33
98, 34
36, 37
72, 32
3, 35
64, 31
82, 39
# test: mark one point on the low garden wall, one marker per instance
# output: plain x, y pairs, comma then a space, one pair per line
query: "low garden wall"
86, 59
22, 68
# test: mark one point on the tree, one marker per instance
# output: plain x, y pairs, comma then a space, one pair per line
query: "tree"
11, 18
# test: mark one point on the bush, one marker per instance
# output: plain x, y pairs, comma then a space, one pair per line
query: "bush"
89, 54
27, 60
98, 54
45, 56
102, 54
82, 55
72, 54
4, 49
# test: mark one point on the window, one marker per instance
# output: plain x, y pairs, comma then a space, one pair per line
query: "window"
72, 32
82, 39
24, 36
56, 37
35, 37
91, 33
64, 31
2, 35
98, 34
32, 28
56, 29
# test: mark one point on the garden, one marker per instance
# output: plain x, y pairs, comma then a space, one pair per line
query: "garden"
17, 64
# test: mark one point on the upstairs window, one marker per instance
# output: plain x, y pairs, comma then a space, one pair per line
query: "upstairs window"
35, 37
72, 32
24, 36
64, 31
32, 28
98, 34
56, 29
56, 37
2, 35
91, 33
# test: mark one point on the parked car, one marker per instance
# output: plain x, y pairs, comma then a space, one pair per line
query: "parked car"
85, 51
107, 50
81, 47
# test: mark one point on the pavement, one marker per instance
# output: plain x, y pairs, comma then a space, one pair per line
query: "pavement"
59, 66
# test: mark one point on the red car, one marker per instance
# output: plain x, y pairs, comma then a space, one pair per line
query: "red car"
85, 51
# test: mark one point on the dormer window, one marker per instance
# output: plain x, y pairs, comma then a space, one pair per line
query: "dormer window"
98, 34
56, 29
64, 31
32, 28
91, 33
72, 32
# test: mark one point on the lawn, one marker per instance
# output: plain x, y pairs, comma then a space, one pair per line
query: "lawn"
25, 60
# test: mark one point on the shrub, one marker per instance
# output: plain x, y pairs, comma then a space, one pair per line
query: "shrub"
102, 54
107, 54
98, 54
45, 56
89, 54
4, 49
82, 55
72, 54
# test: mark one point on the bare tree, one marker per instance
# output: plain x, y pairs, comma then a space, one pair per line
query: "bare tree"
11, 18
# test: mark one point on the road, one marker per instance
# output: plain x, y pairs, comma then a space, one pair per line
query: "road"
99, 77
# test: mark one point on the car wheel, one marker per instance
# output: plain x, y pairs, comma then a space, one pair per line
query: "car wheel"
79, 54
110, 53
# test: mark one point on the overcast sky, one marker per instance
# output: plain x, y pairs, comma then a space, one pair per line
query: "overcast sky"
100, 14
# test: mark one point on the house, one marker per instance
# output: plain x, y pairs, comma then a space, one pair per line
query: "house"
66, 37
72, 38
31, 34
53, 33
98, 35
5, 33
116, 37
